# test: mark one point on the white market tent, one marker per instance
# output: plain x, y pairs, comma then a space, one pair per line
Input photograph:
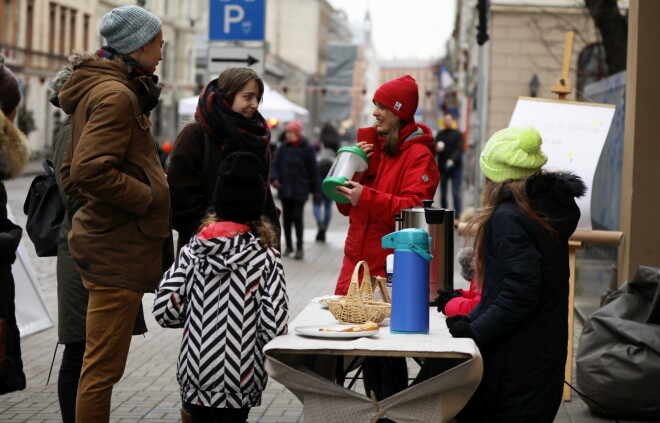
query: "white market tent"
274, 105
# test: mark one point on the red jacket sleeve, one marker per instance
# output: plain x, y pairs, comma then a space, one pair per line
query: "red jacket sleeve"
466, 302
461, 305
420, 181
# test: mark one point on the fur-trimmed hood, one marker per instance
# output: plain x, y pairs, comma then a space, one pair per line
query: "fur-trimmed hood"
14, 149
88, 71
553, 194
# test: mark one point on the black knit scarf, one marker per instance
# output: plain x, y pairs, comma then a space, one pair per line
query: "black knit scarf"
231, 130
148, 88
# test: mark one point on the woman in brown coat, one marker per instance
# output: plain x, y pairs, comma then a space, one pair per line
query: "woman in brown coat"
227, 120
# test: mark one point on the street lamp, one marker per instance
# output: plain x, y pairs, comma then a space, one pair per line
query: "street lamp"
534, 85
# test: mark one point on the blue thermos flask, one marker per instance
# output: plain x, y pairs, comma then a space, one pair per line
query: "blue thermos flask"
410, 282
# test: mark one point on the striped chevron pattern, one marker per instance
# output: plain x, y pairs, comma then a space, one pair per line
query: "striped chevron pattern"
230, 297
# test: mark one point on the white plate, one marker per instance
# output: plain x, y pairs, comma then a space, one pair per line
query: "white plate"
321, 300
314, 331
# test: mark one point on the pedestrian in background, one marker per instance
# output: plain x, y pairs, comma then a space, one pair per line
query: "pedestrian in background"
406, 174
227, 120
120, 238
14, 155
449, 153
521, 261
229, 268
323, 205
295, 174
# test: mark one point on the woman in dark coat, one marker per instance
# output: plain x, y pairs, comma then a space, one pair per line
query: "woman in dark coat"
521, 244
295, 174
72, 296
14, 154
227, 120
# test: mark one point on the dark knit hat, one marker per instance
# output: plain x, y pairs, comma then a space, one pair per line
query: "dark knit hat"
400, 95
128, 28
240, 193
10, 94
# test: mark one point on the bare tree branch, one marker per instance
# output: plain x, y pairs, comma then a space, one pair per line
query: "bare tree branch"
613, 29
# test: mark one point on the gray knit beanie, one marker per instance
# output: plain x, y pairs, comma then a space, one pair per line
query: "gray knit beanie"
128, 28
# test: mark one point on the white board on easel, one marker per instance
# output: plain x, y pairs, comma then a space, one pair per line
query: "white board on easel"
573, 135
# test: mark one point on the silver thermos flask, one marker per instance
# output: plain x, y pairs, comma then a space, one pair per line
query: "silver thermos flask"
439, 224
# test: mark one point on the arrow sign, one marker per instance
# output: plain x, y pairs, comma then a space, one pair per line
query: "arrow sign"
250, 60
223, 57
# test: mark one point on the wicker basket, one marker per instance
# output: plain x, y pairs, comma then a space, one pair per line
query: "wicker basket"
359, 306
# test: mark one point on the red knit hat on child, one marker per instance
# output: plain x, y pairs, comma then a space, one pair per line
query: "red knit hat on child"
296, 127
400, 96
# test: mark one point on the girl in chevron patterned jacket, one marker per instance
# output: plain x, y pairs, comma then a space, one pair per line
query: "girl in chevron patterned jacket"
227, 291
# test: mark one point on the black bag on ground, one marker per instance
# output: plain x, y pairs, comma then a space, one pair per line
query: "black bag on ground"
44, 210
618, 359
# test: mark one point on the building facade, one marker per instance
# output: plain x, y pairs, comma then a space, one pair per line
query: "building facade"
522, 57
38, 36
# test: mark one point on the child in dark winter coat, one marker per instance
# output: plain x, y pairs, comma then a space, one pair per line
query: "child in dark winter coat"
459, 301
521, 260
229, 270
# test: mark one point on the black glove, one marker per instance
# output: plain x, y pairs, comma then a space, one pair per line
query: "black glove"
444, 296
8, 245
461, 329
458, 318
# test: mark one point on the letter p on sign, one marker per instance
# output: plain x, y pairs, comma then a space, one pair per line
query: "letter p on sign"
233, 14
237, 20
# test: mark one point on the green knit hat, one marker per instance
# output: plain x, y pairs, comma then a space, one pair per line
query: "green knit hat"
512, 153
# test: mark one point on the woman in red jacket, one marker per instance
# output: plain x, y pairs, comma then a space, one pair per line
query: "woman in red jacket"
406, 174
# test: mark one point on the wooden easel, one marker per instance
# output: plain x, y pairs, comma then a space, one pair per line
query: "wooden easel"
562, 88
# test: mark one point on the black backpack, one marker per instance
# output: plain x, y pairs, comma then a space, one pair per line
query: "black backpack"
45, 211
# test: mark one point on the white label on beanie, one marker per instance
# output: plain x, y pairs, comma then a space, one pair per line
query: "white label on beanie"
425, 178
397, 106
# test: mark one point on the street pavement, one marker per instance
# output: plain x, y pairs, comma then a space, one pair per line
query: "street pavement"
148, 391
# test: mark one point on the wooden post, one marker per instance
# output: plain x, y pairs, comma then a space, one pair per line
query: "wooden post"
573, 246
563, 88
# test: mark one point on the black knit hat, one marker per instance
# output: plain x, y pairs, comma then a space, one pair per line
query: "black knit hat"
240, 193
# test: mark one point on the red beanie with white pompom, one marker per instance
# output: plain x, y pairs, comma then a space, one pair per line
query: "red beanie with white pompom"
400, 95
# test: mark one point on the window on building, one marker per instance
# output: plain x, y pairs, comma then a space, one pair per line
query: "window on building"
72, 30
86, 19
52, 22
62, 30
591, 66
7, 13
165, 63
29, 18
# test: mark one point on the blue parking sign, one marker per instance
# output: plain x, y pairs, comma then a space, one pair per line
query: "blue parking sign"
237, 20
